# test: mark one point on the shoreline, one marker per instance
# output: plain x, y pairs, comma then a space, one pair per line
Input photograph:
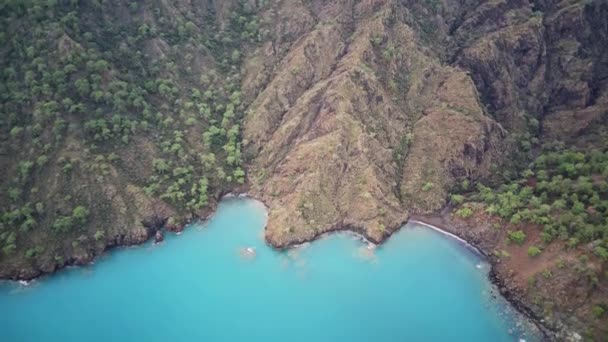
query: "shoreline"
436, 222
74, 263
493, 276
433, 222
464, 242
501, 284
93, 255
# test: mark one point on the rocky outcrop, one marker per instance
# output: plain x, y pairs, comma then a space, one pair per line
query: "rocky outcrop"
359, 124
381, 110
158, 237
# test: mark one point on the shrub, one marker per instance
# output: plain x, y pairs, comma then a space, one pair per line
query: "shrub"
601, 252
99, 235
16, 132
9, 249
62, 224
427, 186
515, 219
598, 311
457, 199
465, 184
41, 160
518, 237
30, 253
533, 251
464, 212
80, 214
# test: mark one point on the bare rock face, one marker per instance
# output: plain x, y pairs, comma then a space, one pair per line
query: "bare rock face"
365, 114
548, 59
361, 124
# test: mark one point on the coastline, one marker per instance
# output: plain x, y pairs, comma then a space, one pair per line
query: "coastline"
467, 244
495, 278
151, 226
429, 222
435, 222
206, 215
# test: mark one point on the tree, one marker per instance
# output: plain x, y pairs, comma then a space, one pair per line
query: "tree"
236, 56
82, 87
24, 169
160, 165
9, 248
16, 132
239, 174
601, 252
598, 311
80, 214
62, 224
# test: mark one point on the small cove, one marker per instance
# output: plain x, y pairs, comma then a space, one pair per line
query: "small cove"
419, 286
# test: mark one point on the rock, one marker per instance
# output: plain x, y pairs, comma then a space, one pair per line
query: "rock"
136, 236
82, 258
158, 237
176, 228
248, 253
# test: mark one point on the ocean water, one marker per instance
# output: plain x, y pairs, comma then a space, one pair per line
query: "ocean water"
203, 286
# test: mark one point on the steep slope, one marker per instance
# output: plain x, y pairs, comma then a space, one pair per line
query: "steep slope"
359, 123
116, 119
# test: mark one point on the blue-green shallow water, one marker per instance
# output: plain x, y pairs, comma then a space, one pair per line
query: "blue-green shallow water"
419, 286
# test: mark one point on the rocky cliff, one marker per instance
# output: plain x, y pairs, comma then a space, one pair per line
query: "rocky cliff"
365, 111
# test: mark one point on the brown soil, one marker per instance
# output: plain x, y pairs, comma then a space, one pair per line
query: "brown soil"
551, 288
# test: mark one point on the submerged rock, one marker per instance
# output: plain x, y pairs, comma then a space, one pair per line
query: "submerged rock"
248, 252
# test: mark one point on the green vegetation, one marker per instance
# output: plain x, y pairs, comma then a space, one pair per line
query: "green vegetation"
565, 192
534, 251
457, 199
517, 237
66, 223
464, 212
427, 186
79, 85
562, 192
598, 311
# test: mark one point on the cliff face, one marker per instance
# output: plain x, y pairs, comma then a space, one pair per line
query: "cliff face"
360, 122
365, 111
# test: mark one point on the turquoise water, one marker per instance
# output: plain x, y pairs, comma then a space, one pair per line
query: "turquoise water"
419, 286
